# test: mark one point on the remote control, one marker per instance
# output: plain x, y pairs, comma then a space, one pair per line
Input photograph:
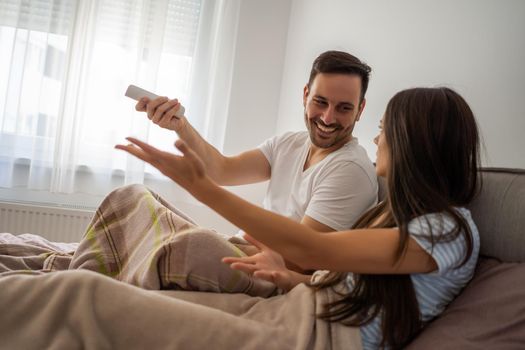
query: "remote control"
137, 93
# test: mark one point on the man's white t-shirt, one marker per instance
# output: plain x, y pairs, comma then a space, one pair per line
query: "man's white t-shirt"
334, 192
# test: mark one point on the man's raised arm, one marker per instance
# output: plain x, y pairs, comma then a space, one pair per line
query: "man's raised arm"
245, 168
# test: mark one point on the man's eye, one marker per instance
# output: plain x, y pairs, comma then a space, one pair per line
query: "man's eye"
320, 102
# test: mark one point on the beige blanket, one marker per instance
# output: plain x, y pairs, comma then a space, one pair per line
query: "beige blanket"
138, 238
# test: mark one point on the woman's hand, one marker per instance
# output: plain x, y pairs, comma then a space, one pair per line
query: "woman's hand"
267, 265
162, 111
187, 170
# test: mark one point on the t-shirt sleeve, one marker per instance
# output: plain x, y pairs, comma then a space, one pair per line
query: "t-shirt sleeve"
342, 195
448, 254
268, 147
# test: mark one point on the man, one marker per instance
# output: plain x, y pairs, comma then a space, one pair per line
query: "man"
322, 177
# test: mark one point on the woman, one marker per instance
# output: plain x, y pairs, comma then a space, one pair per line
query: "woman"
406, 258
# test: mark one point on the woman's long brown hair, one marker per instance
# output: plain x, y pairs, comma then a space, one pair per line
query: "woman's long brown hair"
433, 149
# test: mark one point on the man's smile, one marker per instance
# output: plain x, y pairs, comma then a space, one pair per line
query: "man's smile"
324, 129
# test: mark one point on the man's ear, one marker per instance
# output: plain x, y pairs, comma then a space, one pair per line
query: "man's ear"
306, 91
361, 108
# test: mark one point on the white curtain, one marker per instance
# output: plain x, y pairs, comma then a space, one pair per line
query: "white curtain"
64, 67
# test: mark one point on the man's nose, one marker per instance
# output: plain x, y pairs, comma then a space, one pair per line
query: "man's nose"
328, 116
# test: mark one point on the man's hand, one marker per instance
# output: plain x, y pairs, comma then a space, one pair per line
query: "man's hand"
267, 265
161, 111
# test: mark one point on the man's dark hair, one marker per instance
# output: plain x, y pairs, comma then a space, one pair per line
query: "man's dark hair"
340, 62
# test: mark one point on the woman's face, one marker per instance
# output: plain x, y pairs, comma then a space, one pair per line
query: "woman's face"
382, 161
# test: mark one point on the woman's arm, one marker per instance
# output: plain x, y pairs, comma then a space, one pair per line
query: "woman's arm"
359, 251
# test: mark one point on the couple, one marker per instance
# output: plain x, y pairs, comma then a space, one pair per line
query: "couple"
397, 264
403, 259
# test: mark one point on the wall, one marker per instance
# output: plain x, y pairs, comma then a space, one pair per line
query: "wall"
255, 93
474, 46
256, 82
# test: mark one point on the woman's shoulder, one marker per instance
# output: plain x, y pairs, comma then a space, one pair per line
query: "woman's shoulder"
446, 239
441, 223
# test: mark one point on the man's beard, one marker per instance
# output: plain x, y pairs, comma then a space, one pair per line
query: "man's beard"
337, 135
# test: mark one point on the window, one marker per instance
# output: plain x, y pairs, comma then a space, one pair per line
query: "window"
64, 67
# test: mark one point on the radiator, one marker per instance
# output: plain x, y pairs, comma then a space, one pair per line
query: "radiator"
56, 224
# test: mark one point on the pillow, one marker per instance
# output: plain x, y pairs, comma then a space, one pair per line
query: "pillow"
488, 314
499, 213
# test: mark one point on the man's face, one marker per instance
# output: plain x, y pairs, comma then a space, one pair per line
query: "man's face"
331, 108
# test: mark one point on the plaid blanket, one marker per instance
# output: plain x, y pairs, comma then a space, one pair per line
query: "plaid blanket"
138, 238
